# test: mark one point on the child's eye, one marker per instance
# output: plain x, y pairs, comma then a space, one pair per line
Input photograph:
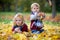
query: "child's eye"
37, 8
19, 20
16, 20
34, 8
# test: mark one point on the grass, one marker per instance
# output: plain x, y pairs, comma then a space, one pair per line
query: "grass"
4, 16
52, 23
7, 17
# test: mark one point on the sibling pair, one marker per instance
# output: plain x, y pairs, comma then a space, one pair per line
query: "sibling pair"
36, 18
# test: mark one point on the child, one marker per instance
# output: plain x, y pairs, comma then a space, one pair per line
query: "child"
36, 18
19, 25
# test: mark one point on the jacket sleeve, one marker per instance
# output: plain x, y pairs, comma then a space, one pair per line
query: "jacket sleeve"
13, 28
25, 28
33, 16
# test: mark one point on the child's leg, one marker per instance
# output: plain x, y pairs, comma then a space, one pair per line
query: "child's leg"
41, 30
35, 32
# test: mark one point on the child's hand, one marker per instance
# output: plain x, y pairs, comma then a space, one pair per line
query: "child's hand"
17, 30
41, 15
41, 18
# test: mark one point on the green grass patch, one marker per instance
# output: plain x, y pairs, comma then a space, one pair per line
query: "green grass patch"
6, 20
52, 23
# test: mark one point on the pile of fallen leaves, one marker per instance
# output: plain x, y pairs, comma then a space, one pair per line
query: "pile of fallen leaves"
50, 33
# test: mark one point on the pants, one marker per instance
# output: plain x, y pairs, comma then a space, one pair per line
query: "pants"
37, 32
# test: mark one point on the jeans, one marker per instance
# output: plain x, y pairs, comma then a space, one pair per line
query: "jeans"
37, 32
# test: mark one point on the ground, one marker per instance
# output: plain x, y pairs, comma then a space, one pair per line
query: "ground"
51, 27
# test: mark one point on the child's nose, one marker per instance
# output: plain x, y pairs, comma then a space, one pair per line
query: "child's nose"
36, 10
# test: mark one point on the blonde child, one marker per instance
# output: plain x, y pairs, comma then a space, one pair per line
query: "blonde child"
18, 24
36, 18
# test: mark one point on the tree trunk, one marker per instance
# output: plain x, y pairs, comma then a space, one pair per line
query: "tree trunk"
53, 9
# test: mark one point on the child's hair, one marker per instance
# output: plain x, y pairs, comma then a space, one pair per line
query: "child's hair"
36, 4
18, 15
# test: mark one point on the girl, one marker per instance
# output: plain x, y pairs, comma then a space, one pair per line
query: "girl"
36, 18
19, 25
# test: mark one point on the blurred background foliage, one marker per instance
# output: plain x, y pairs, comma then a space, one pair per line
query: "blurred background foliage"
23, 5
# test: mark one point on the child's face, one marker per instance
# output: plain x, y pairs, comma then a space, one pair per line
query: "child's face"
35, 8
18, 21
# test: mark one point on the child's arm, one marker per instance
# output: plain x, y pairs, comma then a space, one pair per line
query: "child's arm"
42, 15
33, 16
16, 30
13, 28
25, 27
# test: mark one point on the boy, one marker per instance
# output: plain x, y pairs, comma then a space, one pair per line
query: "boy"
36, 18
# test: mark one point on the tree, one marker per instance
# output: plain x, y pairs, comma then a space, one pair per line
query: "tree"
5, 4
53, 8
53, 4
